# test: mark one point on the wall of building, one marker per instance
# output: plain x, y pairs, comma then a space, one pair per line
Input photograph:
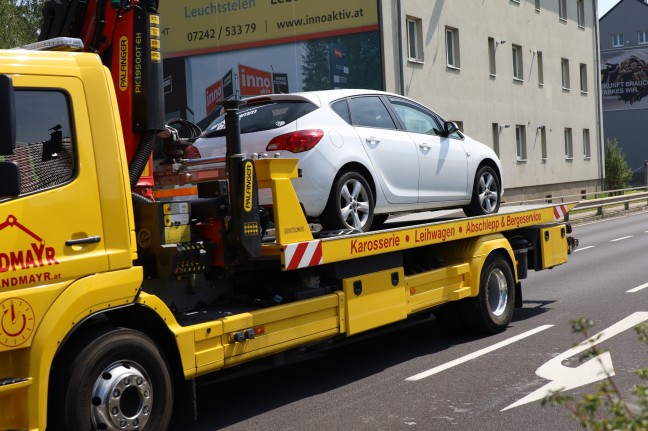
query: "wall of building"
624, 115
485, 104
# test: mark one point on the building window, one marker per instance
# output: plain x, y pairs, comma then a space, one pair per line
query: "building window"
564, 65
562, 10
580, 8
414, 39
491, 56
452, 47
618, 40
569, 145
540, 69
587, 153
496, 140
520, 143
537, 5
518, 69
643, 37
543, 141
583, 78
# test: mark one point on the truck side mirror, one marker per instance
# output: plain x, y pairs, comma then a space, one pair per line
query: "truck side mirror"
7, 116
9, 180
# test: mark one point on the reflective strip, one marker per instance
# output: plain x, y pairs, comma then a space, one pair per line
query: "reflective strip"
303, 254
559, 212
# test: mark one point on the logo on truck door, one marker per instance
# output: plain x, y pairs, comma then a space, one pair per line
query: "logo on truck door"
16, 321
34, 254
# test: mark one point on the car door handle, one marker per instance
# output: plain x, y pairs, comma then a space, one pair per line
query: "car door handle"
81, 241
372, 140
424, 146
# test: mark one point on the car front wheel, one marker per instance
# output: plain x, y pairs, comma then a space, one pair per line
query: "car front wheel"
485, 195
350, 204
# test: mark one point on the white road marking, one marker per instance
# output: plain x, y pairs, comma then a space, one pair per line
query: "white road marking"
476, 354
637, 289
564, 378
584, 248
621, 239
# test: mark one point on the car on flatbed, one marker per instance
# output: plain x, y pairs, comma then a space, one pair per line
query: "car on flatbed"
365, 154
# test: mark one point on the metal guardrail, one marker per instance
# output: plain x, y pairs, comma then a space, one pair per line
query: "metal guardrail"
590, 205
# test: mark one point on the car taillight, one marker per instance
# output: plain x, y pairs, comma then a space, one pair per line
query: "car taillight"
296, 142
192, 152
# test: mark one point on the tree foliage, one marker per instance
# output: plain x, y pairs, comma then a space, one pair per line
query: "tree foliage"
617, 172
20, 22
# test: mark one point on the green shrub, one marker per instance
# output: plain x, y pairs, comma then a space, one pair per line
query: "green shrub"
617, 172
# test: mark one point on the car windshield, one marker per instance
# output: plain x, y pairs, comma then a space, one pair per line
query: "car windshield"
267, 115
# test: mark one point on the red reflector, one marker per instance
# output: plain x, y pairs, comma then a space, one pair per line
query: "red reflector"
191, 152
296, 142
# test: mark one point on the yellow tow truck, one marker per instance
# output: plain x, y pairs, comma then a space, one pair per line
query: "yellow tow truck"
113, 302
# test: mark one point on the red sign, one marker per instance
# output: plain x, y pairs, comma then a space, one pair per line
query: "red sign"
254, 82
213, 95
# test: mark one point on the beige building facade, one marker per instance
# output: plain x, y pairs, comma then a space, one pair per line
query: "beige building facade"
518, 75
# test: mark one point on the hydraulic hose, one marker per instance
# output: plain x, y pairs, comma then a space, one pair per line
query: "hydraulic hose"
141, 156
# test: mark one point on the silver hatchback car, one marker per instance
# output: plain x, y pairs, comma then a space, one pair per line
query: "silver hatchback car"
365, 154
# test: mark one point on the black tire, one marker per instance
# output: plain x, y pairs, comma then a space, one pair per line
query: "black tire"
117, 381
379, 220
350, 204
491, 311
486, 195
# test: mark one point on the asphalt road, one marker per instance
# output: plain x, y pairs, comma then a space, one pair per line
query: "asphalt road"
420, 377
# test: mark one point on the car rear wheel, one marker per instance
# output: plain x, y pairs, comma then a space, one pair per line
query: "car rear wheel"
486, 193
350, 204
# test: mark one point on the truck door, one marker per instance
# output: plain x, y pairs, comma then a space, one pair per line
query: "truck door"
52, 232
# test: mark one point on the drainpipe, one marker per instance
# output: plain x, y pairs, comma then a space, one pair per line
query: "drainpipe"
400, 48
599, 103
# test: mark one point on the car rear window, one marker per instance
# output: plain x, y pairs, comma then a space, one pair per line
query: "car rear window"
267, 115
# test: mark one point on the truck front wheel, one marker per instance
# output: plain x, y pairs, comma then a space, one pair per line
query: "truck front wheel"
117, 381
491, 310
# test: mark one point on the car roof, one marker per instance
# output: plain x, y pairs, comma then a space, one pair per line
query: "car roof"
320, 97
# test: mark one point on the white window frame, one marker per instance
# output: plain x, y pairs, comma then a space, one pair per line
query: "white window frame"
642, 37
562, 10
569, 144
564, 73
520, 143
496, 138
453, 59
580, 10
492, 64
518, 64
618, 40
587, 150
540, 69
414, 39
583, 78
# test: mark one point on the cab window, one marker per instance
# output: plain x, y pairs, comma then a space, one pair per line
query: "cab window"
44, 140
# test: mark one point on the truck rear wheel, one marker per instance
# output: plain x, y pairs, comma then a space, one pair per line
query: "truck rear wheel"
491, 310
117, 381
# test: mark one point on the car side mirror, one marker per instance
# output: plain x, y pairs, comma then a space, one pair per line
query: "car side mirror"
9, 180
450, 127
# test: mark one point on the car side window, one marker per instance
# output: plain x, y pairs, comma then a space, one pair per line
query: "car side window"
44, 140
342, 109
369, 111
415, 119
